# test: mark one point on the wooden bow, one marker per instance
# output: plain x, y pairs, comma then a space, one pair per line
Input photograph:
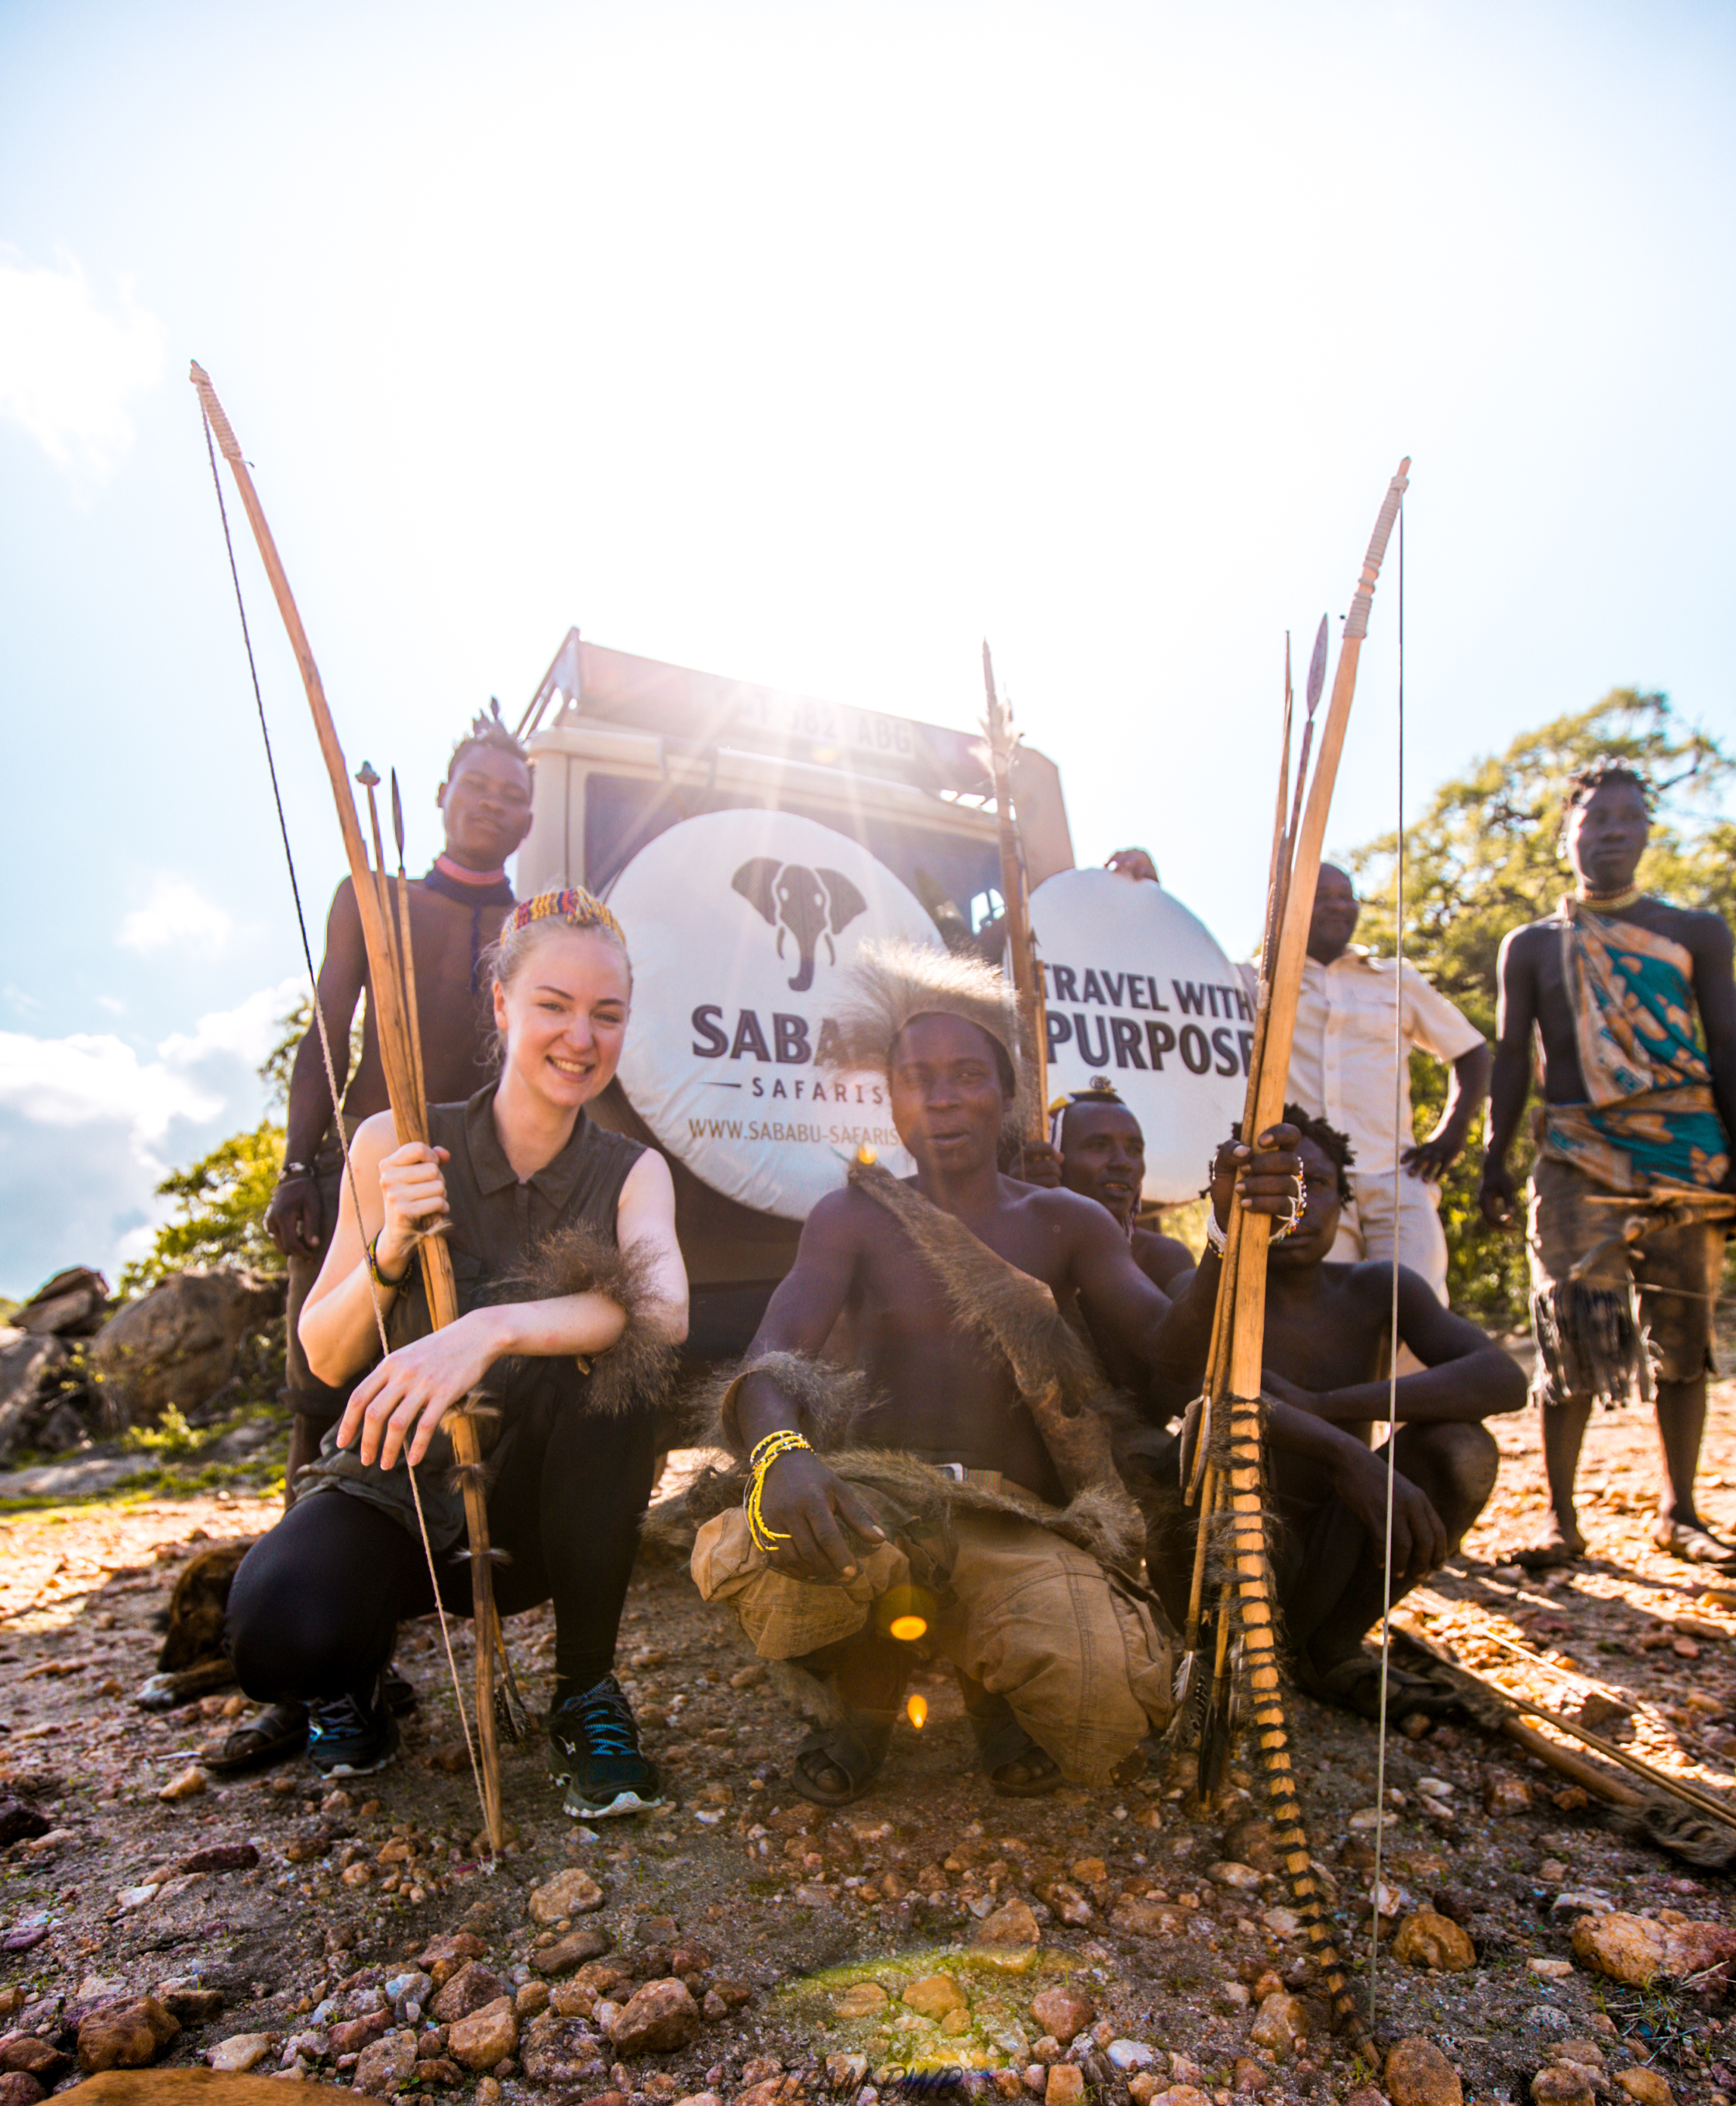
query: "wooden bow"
1027, 982
1228, 1473
397, 1026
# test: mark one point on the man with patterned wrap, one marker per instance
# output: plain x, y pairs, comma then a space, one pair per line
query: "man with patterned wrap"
1634, 1009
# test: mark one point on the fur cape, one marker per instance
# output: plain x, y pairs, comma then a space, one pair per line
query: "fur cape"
1056, 1374
910, 1496
636, 1370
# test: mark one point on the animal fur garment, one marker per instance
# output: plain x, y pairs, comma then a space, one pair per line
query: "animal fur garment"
1590, 1342
913, 1497
1059, 1381
636, 1371
893, 982
828, 1398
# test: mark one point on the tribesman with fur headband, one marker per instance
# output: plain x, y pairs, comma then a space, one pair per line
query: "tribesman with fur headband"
951, 1487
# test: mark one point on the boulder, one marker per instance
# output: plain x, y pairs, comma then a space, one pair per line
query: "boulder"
486, 2038
1065, 2086
1418, 2074
860, 1999
469, 1990
1063, 2010
36, 2058
1645, 2087
181, 1343
1635, 1948
442, 1957
350, 2036
242, 2052
27, 1367
1140, 1918
19, 1821
1281, 2023
386, 2065
589, 1943
1563, 2083
660, 2016
18, 2087
569, 1894
935, 1995
72, 1305
1013, 1924
125, 2036
1428, 1940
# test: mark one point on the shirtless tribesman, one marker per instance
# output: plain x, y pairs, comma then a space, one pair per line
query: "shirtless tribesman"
456, 910
1328, 1328
953, 1287
1633, 1008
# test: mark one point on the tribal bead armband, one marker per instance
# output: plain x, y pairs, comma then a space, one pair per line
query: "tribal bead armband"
765, 1453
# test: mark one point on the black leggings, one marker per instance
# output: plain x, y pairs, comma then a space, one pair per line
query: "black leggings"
316, 1603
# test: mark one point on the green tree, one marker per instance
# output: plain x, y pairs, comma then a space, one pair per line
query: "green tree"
221, 1220
1485, 858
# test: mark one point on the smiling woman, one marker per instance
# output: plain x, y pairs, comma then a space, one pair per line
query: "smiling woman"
562, 1239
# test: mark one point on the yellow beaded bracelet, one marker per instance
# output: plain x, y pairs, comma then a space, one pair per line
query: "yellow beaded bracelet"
765, 1453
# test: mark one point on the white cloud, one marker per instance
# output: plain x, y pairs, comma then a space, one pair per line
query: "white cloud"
176, 913
88, 1126
95, 1076
248, 1030
69, 367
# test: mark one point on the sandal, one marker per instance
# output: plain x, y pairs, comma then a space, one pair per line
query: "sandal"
1002, 1745
856, 1747
1694, 1544
280, 1731
1548, 1553
1355, 1685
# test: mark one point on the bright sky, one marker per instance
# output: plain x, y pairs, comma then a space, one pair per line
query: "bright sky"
809, 344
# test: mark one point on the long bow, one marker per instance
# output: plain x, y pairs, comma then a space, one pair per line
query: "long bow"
395, 1023
1226, 1477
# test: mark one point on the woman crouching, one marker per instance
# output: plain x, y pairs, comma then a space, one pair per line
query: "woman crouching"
562, 1238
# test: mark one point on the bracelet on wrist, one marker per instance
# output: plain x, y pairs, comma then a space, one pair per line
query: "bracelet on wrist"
295, 1173
380, 1279
764, 1454
1215, 1237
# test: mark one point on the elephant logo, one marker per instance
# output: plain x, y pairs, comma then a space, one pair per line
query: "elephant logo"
809, 905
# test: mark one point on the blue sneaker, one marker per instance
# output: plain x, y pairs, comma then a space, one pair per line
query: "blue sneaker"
350, 1737
594, 1748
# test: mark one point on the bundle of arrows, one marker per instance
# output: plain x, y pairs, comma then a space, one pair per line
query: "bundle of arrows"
1230, 1657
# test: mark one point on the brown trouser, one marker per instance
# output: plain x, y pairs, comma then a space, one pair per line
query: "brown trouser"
1075, 1652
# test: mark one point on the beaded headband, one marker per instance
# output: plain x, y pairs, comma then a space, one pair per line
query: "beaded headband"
578, 908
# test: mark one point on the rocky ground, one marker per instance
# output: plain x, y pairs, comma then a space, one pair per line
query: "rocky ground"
743, 1943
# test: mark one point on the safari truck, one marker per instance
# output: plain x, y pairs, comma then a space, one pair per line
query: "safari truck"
751, 841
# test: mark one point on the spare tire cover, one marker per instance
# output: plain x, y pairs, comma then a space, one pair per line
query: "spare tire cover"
740, 925
1140, 993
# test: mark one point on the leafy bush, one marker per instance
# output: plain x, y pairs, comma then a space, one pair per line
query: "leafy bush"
223, 1200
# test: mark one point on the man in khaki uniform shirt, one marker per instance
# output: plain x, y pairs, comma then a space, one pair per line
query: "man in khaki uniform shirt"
1341, 1069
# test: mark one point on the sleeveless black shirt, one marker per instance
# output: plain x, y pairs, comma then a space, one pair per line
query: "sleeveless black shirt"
497, 1223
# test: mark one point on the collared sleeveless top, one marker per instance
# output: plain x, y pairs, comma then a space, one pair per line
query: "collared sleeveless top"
497, 1224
